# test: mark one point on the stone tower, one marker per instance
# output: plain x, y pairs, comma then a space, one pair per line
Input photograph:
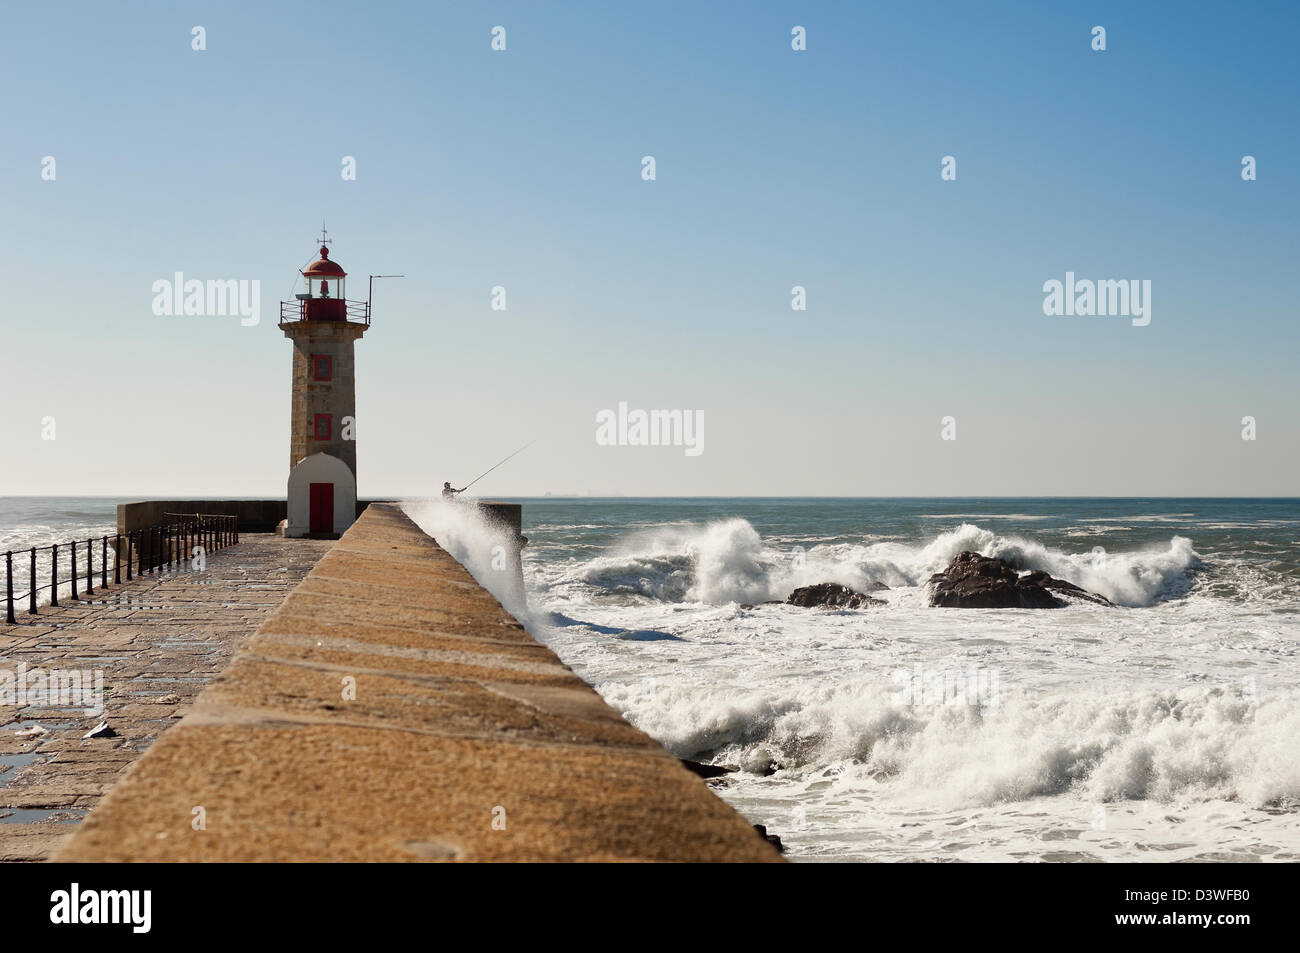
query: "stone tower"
323, 325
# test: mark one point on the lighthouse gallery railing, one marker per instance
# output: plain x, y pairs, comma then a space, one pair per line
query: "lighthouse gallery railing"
358, 311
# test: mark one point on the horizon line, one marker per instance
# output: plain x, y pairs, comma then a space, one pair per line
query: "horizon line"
389, 497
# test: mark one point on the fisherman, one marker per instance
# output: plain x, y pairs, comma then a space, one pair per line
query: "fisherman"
449, 492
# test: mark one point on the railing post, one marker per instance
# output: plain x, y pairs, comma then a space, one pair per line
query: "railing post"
103, 564
130, 553
72, 547
31, 596
54, 574
90, 569
9, 588
168, 545
117, 560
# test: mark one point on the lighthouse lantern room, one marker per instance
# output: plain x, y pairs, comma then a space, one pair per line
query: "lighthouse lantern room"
323, 326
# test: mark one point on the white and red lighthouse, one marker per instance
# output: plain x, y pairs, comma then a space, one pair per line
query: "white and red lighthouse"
323, 325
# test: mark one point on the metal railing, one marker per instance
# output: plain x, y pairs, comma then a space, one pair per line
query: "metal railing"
346, 309
142, 551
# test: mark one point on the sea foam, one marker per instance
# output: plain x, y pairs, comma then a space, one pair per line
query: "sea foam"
1197, 743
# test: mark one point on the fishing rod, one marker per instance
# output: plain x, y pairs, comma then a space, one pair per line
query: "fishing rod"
490, 469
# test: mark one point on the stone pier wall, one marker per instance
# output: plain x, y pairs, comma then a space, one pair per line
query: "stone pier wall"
255, 516
391, 710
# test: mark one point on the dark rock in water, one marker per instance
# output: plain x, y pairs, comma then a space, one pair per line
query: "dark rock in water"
831, 594
706, 770
1065, 588
770, 838
972, 581
746, 605
877, 586
762, 764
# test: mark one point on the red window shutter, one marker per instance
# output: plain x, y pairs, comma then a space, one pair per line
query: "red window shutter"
322, 367
323, 422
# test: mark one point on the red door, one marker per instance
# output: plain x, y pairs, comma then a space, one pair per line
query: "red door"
322, 508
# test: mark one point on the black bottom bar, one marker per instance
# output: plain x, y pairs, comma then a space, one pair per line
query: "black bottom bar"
1020, 906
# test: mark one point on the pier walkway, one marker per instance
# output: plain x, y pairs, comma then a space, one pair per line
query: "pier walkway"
391, 710
158, 640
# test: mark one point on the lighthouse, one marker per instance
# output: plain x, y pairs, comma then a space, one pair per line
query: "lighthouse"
323, 326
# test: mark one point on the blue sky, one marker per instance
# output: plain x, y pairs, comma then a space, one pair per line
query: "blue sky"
775, 168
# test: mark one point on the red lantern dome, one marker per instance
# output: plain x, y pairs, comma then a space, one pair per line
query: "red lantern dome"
323, 267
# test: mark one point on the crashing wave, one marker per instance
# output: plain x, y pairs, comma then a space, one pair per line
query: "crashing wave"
726, 561
1196, 743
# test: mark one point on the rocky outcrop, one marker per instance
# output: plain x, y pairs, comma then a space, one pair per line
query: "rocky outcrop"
972, 581
833, 595
706, 771
772, 839
1067, 589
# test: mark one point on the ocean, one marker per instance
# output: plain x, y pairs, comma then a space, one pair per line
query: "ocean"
27, 521
1162, 728
1166, 727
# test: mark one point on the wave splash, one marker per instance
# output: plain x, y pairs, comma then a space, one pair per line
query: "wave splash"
726, 561
1192, 744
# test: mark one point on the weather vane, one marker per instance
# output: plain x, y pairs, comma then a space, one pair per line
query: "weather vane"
324, 235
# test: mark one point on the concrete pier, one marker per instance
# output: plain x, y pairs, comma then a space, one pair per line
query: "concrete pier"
158, 640
391, 710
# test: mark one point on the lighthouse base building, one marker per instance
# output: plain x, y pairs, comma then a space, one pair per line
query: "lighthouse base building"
323, 326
